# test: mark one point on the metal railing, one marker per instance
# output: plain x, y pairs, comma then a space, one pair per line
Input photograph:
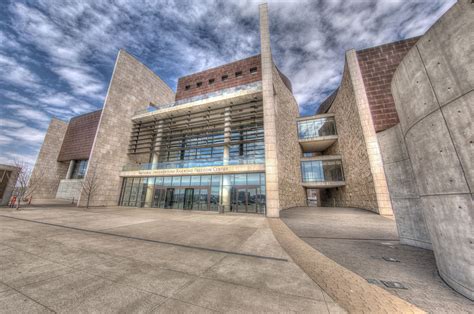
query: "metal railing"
192, 164
255, 86
322, 170
312, 129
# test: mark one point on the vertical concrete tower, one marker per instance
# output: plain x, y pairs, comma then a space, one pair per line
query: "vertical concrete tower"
282, 151
434, 97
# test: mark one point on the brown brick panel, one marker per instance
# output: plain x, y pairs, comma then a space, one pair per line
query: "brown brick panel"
378, 64
80, 134
216, 73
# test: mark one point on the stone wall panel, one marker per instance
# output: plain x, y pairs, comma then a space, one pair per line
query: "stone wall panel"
133, 87
47, 167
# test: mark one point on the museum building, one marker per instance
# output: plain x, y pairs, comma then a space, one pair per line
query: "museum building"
390, 139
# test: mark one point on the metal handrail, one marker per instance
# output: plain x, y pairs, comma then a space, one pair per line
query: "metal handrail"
191, 164
257, 86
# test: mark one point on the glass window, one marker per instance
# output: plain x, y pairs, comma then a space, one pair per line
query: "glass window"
176, 181
126, 194
253, 179
205, 180
195, 180
186, 181
240, 179
167, 181
216, 180
322, 170
317, 127
79, 170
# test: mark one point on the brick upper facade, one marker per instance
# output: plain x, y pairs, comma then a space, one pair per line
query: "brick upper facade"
80, 134
378, 64
188, 85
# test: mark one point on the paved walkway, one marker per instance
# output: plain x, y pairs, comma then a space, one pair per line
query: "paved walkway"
148, 260
367, 244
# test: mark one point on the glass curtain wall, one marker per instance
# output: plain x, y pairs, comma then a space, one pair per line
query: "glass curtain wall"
199, 139
308, 129
322, 170
233, 192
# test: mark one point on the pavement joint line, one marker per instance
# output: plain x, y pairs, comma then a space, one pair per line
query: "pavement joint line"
152, 241
349, 290
337, 238
27, 296
196, 277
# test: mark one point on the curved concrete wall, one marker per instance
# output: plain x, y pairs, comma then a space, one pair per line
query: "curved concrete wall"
433, 93
406, 202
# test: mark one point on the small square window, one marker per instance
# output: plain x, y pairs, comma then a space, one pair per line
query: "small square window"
225, 77
199, 84
211, 81
253, 70
239, 73
187, 87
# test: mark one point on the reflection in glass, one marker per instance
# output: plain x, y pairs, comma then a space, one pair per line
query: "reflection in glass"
246, 192
322, 170
316, 127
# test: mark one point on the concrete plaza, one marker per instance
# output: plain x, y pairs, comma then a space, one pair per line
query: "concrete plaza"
60, 259
368, 245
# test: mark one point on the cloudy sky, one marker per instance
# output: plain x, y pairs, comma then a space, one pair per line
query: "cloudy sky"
56, 57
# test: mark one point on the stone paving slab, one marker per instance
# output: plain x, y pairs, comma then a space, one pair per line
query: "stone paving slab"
349, 242
61, 269
348, 289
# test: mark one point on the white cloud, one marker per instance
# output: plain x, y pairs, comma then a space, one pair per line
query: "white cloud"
26, 134
16, 73
29, 114
6, 123
10, 158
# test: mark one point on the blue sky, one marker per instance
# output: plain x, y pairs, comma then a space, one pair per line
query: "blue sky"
57, 56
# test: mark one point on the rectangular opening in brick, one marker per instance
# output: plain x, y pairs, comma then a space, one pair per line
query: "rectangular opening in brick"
187, 87
253, 70
198, 84
224, 77
238, 73
211, 81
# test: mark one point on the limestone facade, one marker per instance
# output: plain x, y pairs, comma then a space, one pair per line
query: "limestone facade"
359, 191
290, 190
69, 189
47, 167
269, 117
133, 87
8, 179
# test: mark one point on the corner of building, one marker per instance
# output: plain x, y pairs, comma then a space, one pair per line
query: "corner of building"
47, 165
133, 87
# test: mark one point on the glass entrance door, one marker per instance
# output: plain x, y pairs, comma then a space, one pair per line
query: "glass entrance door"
159, 198
169, 198
244, 199
188, 198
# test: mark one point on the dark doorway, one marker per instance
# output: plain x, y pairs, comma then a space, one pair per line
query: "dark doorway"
159, 198
245, 199
188, 198
169, 197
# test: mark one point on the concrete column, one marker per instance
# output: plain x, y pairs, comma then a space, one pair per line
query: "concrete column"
156, 144
227, 134
226, 188
72, 163
373, 150
149, 194
433, 93
269, 117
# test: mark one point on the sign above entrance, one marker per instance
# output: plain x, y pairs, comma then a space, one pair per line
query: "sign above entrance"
195, 171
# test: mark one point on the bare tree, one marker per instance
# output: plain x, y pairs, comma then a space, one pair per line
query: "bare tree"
27, 182
90, 183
